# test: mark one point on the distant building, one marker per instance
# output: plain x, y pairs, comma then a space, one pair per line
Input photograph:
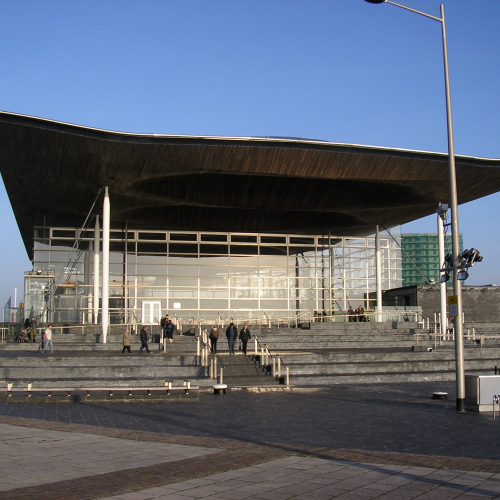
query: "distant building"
421, 257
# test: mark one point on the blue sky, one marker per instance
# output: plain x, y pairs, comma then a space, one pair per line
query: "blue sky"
339, 70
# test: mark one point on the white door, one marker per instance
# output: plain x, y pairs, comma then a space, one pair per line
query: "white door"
151, 313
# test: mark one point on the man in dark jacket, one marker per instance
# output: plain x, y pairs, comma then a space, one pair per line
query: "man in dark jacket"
144, 340
33, 329
232, 335
245, 337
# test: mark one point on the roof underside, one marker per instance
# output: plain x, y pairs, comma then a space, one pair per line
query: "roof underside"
53, 171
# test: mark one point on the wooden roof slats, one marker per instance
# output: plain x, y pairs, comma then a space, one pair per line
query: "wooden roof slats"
224, 184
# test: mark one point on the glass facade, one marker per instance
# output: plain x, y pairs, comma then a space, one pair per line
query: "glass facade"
203, 275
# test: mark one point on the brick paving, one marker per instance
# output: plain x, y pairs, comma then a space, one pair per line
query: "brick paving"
375, 441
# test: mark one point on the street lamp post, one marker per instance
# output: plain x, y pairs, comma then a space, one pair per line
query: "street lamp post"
455, 242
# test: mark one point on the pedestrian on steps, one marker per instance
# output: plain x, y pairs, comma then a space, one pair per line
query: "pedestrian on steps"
144, 340
214, 337
126, 341
245, 337
232, 335
48, 339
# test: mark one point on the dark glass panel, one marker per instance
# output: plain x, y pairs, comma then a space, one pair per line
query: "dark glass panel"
63, 233
157, 248
244, 250
153, 236
214, 237
273, 239
183, 237
238, 238
182, 248
42, 232
295, 240
213, 249
272, 250
116, 246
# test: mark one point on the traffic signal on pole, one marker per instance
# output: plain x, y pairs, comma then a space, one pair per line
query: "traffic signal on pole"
448, 262
471, 256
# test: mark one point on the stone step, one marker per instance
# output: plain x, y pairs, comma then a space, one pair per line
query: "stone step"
241, 371
355, 355
106, 372
371, 378
401, 367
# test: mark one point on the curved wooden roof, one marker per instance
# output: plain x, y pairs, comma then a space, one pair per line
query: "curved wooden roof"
52, 172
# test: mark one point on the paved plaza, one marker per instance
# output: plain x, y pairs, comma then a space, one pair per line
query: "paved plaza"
389, 441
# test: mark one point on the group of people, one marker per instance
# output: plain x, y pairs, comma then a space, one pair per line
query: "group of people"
167, 327
29, 332
232, 336
356, 315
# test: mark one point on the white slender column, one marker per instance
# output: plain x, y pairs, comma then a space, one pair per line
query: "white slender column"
105, 266
378, 270
97, 247
442, 286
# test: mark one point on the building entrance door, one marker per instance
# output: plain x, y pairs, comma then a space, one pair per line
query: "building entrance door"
151, 313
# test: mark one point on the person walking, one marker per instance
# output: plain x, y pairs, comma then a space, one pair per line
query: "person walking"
245, 337
361, 314
350, 312
126, 341
33, 329
48, 339
169, 331
163, 323
214, 337
232, 335
144, 340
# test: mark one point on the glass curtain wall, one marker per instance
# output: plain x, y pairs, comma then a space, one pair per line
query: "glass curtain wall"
207, 276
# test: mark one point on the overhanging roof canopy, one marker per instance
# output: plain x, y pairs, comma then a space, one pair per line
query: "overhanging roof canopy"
53, 171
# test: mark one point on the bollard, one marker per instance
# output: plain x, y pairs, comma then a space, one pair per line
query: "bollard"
165, 345
9, 389
274, 368
255, 342
279, 367
30, 385
287, 376
221, 381
496, 400
187, 383
197, 346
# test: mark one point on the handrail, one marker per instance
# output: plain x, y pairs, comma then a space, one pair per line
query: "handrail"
265, 354
202, 340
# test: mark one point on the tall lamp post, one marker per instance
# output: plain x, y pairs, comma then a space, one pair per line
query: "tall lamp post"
459, 339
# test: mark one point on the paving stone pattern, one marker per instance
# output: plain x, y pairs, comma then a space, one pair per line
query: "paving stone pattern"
367, 441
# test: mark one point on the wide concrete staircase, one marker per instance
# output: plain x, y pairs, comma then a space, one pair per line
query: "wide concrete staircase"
326, 354
78, 361
371, 353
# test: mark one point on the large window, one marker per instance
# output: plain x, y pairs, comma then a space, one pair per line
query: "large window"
203, 275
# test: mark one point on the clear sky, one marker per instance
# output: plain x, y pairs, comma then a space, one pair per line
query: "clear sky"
339, 70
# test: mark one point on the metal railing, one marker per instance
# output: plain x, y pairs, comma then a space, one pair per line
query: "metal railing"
262, 354
204, 351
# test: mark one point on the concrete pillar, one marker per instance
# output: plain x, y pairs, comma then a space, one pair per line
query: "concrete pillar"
87, 315
378, 270
97, 247
105, 265
442, 286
